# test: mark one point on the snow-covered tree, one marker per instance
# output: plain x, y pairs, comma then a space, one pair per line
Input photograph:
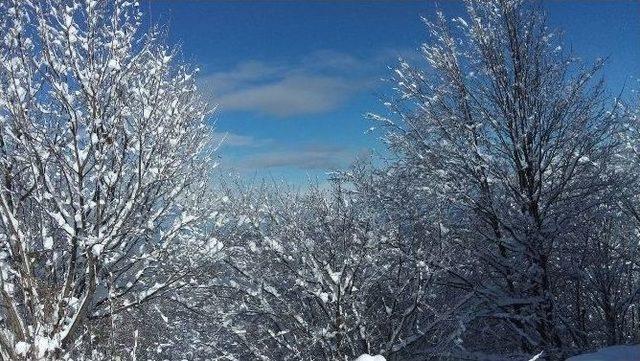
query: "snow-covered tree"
103, 156
323, 276
515, 133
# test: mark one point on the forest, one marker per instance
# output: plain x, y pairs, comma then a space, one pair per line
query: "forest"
503, 222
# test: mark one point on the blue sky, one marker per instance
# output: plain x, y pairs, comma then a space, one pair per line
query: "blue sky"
293, 79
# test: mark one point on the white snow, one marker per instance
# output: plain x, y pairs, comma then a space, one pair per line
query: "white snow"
113, 64
367, 357
612, 353
97, 249
462, 21
47, 242
22, 348
536, 357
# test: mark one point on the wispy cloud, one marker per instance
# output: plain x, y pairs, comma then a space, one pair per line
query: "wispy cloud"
317, 83
305, 157
290, 96
241, 76
238, 140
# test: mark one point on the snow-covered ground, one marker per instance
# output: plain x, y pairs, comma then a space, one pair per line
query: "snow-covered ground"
613, 353
366, 357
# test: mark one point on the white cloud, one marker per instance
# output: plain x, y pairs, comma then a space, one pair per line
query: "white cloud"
290, 96
238, 140
317, 83
304, 157
243, 75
